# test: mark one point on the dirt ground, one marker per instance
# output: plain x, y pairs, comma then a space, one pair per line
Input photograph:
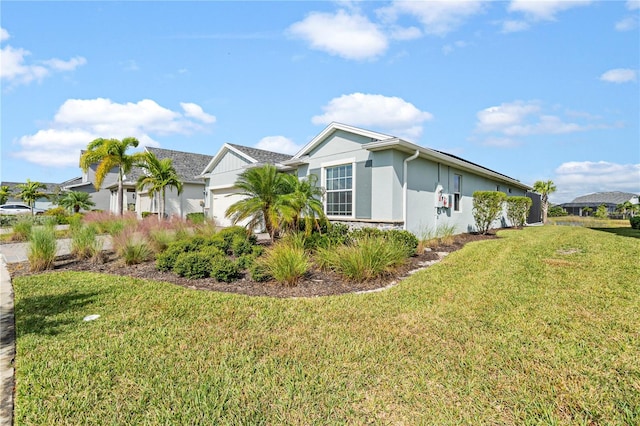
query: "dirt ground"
315, 283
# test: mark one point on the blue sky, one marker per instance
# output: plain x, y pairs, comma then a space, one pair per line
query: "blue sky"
535, 90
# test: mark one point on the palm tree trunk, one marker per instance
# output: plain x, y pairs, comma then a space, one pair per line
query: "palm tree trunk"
162, 205
120, 194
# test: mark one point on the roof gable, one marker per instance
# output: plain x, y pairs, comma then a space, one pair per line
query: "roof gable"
249, 154
188, 165
333, 127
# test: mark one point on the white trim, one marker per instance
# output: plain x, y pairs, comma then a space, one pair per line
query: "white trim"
216, 159
225, 186
323, 175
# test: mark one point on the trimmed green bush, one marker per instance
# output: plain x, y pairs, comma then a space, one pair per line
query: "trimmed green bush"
224, 269
405, 238
60, 214
487, 207
193, 265
259, 273
635, 222
518, 210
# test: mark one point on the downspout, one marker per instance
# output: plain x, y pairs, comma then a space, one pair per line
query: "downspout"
405, 189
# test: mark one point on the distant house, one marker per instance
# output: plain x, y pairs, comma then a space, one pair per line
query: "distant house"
44, 203
188, 166
592, 201
370, 179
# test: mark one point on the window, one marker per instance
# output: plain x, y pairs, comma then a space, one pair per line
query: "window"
339, 185
457, 189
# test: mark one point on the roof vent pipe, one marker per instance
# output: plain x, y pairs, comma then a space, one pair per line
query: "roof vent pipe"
404, 187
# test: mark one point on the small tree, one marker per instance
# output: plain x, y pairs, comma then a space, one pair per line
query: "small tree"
544, 188
602, 212
159, 175
487, 207
76, 200
587, 211
5, 192
29, 192
518, 210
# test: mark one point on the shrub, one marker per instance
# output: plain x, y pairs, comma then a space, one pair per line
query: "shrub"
196, 218
224, 269
405, 238
601, 212
259, 272
556, 211
518, 210
366, 258
22, 229
60, 214
193, 265
285, 262
487, 207
635, 222
166, 260
85, 243
42, 248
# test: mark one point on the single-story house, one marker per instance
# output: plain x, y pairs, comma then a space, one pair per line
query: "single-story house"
592, 201
44, 203
370, 179
188, 166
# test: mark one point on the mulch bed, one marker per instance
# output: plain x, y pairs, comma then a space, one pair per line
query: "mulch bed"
315, 283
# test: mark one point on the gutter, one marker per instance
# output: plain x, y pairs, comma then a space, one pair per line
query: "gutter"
405, 185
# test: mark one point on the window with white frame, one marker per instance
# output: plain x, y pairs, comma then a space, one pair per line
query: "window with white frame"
339, 190
457, 189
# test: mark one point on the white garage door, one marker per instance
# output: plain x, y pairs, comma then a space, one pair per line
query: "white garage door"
221, 200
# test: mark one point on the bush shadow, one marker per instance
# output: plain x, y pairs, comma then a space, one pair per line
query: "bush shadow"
43, 314
623, 232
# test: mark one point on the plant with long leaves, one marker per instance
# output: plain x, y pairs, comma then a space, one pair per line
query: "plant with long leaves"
110, 154
5, 192
263, 204
158, 176
302, 204
544, 188
76, 200
30, 191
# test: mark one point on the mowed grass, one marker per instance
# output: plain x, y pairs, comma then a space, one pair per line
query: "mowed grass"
541, 326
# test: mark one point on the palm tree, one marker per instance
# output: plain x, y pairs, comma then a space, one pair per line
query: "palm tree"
303, 202
110, 153
544, 188
262, 188
76, 200
5, 191
159, 175
29, 192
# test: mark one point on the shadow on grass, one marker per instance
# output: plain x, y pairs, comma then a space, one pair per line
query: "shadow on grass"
46, 314
623, 232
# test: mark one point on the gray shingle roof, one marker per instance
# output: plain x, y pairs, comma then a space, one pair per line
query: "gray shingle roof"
187, 164
50, 188
261, 155
615, 197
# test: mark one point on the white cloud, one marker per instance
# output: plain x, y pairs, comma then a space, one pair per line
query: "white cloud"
577, 178
15, 69
511, 26
437, 17
619, 75
449, 48
633, 4
630, 22
279, 144
544, 10
521, 118
79, 121
195, 111
390, 114
351, 36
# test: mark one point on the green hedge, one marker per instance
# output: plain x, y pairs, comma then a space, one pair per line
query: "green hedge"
635, 222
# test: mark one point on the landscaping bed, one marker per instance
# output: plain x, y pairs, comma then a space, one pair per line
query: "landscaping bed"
315, 283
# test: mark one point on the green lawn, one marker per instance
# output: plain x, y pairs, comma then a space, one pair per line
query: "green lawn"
540, 326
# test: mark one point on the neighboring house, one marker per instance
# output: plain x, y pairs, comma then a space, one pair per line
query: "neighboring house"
221, 173
188, 166
592, 201
371, 179
44, 203
86, 183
